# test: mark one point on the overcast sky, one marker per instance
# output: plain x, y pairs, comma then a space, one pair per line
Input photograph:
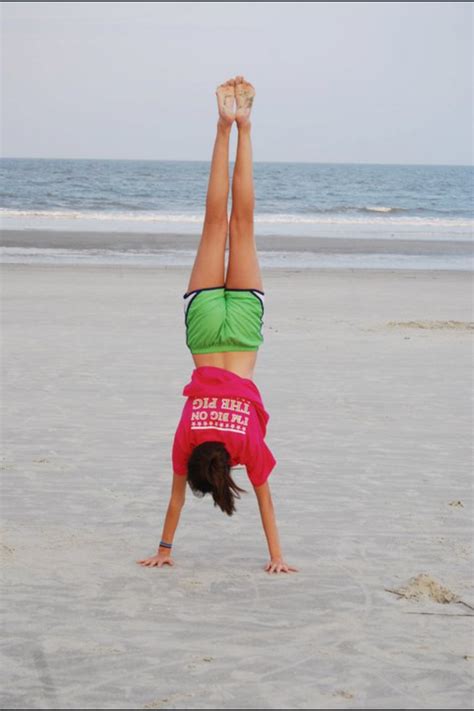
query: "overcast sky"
374, 82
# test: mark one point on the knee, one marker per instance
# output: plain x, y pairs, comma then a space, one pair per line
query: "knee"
216, 218
242, 221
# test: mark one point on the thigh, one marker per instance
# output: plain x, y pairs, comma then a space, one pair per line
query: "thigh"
243, 271
209, 263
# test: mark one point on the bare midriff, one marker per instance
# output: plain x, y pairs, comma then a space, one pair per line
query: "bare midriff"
240, 362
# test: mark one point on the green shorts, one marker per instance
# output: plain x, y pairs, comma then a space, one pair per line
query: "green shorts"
219, 319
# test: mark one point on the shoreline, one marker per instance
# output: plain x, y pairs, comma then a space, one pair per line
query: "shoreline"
82, 239
156, 250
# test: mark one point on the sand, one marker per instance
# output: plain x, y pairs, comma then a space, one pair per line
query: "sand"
367, 378
156, 242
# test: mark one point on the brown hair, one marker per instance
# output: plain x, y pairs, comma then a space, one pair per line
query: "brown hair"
209, 473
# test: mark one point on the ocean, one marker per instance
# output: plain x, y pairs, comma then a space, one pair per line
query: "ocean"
300, 205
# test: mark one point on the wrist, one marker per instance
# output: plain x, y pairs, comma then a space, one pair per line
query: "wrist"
165, 547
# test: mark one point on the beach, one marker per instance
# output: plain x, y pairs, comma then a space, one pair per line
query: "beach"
367, 377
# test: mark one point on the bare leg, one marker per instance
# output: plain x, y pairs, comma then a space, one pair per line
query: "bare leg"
209, 264
243, 269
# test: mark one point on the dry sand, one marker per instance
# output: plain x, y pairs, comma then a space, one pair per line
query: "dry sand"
369, 399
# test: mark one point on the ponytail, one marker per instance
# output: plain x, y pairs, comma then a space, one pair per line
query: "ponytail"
209, 473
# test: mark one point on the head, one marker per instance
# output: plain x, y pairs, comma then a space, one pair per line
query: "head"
209, 473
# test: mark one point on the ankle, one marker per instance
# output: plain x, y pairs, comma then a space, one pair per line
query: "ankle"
223, 127
244, 126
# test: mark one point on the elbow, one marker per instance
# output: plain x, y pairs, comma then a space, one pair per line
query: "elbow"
177, 502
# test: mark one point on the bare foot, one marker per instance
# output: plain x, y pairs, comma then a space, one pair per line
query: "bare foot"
226, 102
244, 95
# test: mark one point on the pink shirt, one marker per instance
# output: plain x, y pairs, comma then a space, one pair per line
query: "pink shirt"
223, 407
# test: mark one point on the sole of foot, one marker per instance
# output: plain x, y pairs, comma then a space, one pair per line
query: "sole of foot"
226, 102
244, 96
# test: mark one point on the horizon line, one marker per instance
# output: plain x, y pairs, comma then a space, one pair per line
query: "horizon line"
198, 160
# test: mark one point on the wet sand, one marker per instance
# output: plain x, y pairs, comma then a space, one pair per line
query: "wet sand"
156, 242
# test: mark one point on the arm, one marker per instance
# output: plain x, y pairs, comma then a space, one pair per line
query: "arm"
267, 513
176, 503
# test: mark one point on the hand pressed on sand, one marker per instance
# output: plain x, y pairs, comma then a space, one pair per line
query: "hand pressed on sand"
157, 560
277, 565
